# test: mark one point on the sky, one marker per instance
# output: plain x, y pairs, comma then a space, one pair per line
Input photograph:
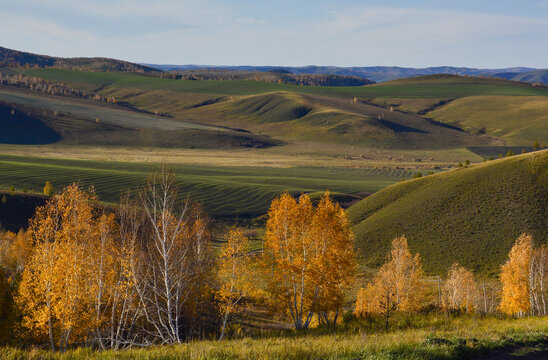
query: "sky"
409, 33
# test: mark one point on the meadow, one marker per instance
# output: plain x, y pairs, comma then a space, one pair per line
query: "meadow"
437, 87
224, 191
420, 337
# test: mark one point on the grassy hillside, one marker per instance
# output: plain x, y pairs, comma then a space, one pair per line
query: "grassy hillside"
225, 191
30, 118
9, 57
518, 120
421, 87
317, 118
470, 215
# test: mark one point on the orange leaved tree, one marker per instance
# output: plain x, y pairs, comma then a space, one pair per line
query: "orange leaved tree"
396, 287
54, 292
234, 274
310, 257
515, 278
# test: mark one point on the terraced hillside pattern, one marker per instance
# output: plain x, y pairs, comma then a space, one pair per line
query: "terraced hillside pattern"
225, 191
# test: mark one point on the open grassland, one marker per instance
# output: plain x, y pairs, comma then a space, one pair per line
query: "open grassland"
423, 87
471, 215
518, 120
32, 118
412, 106
306, 113
435, 337
225, 191
291, 116
289, 155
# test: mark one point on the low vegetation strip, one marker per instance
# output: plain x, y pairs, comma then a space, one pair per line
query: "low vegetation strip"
225, 191
438, 338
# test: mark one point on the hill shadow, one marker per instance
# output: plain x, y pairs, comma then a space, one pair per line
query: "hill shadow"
16, 127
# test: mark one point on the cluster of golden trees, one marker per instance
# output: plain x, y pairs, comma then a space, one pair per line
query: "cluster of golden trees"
148, 274
399, 286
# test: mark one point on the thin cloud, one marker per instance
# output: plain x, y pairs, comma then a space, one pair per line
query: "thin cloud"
190, 31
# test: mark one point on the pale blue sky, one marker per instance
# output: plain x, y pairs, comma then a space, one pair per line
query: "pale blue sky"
417, 33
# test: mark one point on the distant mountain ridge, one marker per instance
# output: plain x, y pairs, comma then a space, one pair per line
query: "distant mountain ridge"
374, 73
535, 76
9, 57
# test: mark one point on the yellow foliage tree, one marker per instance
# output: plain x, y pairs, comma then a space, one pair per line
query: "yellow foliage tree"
62, 291
396, 287
460, 290
48, 188
515, 278
234, 274
335, 261
311, 254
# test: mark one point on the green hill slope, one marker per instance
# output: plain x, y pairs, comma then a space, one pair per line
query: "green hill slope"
9, 57
520, 120
30, 118
435, 86
470, 215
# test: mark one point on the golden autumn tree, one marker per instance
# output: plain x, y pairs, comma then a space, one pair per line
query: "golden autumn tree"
235, 275
515, 278
460, 290
396, 287
311, 256
68, 286
53, 292
14, 250
335, 261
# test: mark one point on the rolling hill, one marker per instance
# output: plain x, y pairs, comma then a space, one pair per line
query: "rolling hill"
534, 76
375, 73
520, 120
35, 119
14, 58
434, 86
471, 215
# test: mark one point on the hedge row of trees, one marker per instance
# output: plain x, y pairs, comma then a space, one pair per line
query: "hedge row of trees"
399, 286
47, 87
149, 274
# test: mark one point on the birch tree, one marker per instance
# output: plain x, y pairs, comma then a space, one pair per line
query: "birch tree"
234, 275
515, 278
396, 287
311, 254
176, 256
460, 291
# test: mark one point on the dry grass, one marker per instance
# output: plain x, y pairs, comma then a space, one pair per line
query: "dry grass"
289, 155
437, 338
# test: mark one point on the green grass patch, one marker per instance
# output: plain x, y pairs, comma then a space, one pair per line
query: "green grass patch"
412, 88
518, 120
225, 191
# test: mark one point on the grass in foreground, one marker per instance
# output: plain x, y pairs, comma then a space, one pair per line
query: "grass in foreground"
437, 337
